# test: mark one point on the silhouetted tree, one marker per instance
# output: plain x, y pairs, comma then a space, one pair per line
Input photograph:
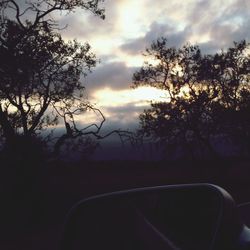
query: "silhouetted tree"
206, 95
40, 73
40, 87
229, 71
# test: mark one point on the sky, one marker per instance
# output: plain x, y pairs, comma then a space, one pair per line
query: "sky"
130, 27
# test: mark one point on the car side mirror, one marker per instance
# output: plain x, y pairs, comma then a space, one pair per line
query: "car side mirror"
197, 216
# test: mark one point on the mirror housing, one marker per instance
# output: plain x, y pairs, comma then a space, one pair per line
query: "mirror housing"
188, 216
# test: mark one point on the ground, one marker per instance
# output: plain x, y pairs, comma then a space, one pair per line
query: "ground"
63, 184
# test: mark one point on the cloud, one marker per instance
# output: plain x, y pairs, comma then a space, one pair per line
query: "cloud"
175, 38
222, 22
115, 75
211, 24
117, 118
124, 116
86, 26
231, 28
83, 26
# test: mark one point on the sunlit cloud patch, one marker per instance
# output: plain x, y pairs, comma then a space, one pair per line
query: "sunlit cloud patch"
139, 97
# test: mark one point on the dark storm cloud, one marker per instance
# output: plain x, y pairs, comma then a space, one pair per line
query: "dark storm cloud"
175, 38
115, 75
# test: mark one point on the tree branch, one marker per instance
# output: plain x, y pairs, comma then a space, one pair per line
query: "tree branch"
17, 13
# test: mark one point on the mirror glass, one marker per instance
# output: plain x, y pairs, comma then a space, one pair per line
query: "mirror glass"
178, 218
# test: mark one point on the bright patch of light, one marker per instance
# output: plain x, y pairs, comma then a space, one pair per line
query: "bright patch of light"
134, 60
139, 97
200, 38
129, 22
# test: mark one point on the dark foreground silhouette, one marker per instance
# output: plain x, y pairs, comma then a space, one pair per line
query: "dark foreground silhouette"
34, 219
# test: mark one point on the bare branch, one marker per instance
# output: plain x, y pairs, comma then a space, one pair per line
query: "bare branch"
17, 13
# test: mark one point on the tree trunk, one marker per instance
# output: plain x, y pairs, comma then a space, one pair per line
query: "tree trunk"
8, 131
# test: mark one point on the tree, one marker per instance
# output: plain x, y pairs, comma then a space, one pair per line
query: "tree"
41, 73
204, 91
229, 72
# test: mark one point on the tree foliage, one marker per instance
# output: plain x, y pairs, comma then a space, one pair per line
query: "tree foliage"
207, 95
40, 73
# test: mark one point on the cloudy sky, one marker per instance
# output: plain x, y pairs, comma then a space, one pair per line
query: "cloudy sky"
130, 26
